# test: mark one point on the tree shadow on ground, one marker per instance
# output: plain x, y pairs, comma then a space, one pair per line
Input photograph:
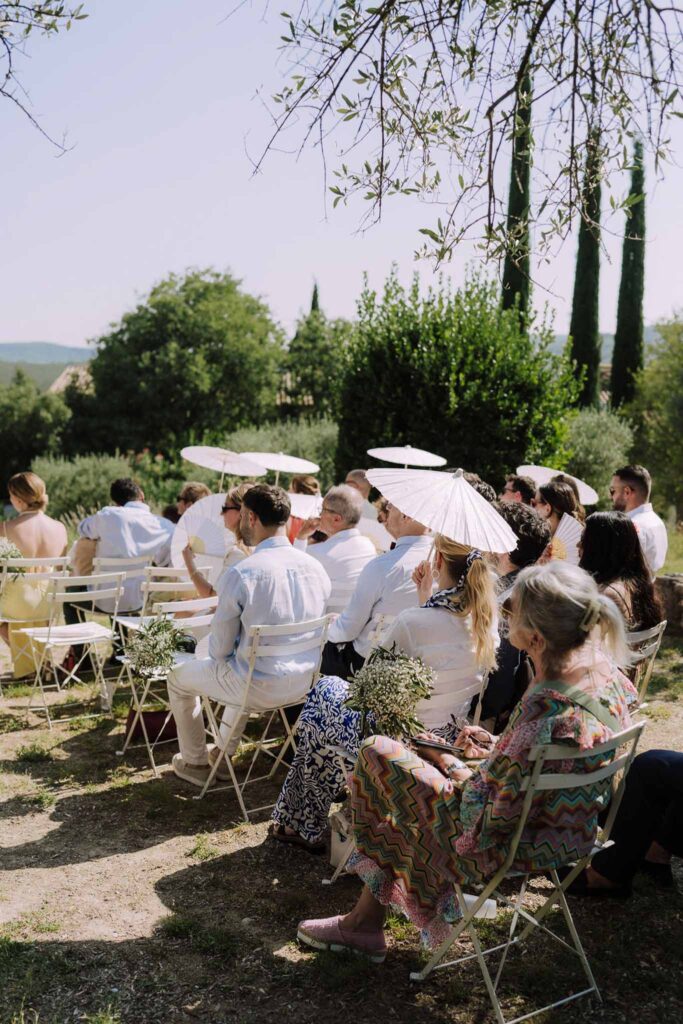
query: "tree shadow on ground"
118, 805
226, 953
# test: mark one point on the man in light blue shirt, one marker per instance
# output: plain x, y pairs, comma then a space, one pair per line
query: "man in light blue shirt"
128, 529
276, 585
384, 588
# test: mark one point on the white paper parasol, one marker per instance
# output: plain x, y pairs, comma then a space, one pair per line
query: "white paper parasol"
281, 463
447, 504
223, 461
407, 456
565, 543
305, 506
544, 474
202, 527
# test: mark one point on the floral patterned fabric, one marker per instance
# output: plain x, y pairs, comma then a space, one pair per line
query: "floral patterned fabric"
417, 834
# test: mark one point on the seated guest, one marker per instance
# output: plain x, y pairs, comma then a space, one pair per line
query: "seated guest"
384, 587
358, 479
453, 631
555, 499
565, 478
301, 483
276, 585
647, 830
611, 552
191, 492
630, 493
520, 489
508, 681
345, 552
481, 487
127, 529
35, 535
230, 514
423, 823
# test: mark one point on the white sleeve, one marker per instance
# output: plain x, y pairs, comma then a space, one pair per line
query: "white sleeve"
90, 526
225, 625
358, 611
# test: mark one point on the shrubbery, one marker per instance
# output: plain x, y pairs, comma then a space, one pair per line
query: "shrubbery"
453, 373
599, 442
82, 484
79, 484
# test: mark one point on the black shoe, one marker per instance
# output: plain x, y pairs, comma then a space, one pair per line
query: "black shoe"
661, 874
580, 887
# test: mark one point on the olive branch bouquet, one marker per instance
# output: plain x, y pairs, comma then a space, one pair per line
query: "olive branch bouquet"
387, 690
152, 648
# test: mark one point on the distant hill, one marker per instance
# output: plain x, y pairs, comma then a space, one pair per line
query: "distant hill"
38, 352
44, 374
560, 341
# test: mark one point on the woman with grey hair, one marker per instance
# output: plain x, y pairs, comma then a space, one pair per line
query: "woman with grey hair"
424, 822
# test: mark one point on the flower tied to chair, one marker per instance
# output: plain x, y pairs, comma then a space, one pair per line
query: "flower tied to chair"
452, 598
591, 616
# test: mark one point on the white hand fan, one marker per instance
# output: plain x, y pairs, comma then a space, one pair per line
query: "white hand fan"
565, 543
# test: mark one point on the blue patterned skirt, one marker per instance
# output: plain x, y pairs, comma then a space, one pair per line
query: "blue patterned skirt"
317, 775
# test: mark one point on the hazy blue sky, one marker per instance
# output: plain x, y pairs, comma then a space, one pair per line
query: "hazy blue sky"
159, 101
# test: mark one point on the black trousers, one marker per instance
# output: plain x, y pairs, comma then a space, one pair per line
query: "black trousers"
651, 809
340, 660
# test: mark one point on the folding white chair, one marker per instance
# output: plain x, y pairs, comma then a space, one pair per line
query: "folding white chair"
339, 823
644, 646
381, 628
595, 785
340, 596
152, 688
90, 636
312, 636
36, 570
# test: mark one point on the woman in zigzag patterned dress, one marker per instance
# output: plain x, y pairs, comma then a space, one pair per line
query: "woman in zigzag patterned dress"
420, 826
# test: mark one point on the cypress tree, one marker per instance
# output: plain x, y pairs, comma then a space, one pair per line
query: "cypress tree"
584, 328
315, 299
517, 264
628, 340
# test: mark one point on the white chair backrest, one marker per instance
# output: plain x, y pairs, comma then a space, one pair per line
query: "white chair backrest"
540, 780
199, 604
55, 565
104, 585
340, 596
644, 646
132, 567
170, 572
312, 636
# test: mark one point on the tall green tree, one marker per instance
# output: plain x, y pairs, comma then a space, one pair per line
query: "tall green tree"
453, 373
31, 423
584, 329
315, 361
657, 412
197, 358
628, 339
517, 266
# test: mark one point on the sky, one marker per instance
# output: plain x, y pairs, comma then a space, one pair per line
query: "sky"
160, 103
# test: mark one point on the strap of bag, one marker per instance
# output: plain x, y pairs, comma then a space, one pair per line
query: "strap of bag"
578, 696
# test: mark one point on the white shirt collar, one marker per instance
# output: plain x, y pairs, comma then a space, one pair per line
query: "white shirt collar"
645, 507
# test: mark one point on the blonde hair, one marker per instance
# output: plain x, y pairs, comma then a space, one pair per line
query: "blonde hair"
479, 597
563, 604
193, 491
28, 487
235, 496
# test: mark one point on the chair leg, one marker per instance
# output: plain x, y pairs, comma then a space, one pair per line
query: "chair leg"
569, 921
519, 900
351, 846
470, 927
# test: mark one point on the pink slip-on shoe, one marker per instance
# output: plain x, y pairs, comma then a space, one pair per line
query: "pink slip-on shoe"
326, 933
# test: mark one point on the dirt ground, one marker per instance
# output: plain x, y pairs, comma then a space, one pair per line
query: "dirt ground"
122, 899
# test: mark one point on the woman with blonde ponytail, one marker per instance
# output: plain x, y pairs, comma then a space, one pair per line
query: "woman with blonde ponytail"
424, 823
453, 629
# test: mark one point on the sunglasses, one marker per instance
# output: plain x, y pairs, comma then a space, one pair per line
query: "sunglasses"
230, 508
